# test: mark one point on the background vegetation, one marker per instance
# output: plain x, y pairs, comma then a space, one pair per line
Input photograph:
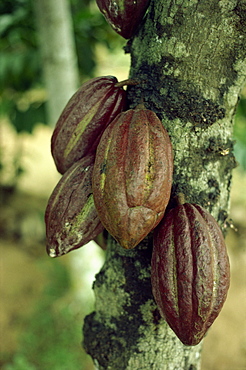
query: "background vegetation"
47, 335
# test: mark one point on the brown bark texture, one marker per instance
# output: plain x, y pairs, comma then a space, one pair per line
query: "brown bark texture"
190, 58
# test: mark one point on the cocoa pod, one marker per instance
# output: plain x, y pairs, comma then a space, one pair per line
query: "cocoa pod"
132, 175
84, 118
124, 16
190, 271
71, 218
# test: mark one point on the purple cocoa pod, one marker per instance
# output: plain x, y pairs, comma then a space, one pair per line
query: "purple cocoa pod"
71, 217
132, 175
124, 16
190, 271
83, 120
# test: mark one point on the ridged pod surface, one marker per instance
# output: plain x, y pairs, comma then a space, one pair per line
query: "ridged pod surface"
189, 271
71, 218
84, 118
124, 16
132, 175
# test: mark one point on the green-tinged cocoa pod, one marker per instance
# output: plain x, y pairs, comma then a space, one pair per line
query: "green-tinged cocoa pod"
132, 175
190, 271
71, 217
84, 118
124, 16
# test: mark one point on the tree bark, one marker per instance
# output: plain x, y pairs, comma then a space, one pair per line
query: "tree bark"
191, 59
59, 59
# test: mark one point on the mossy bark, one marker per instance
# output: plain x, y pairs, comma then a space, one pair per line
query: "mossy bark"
190, 58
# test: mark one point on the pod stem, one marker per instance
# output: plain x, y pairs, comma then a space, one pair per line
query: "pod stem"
140, 106
128, 82
180, 199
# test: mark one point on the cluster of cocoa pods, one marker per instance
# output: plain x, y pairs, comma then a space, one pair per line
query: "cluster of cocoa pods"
117, 166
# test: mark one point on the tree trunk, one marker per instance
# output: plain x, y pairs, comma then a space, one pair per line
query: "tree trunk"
191, 59
57, 47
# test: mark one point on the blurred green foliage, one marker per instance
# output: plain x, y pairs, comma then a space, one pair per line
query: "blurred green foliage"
91, 29
19, 58
20, 61
240, 132
52, 336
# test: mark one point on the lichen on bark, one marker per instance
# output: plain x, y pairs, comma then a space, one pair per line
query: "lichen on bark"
190, 57
123, 331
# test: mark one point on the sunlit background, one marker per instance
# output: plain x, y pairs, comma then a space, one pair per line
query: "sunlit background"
44, 300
